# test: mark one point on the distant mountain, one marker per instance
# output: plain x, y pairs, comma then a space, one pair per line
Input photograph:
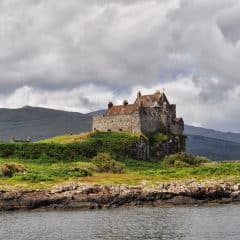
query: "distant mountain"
212, 148
213, 144
99, 112
41, 123
227, 136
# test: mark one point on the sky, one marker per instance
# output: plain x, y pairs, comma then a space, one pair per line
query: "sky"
77, 55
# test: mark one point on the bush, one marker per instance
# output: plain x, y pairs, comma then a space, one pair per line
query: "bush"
159, 137
104, 163
183, 160
79, 172
9, 169
47, 152
114, 143
35, 177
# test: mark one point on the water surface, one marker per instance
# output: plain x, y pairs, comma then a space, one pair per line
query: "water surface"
217, 222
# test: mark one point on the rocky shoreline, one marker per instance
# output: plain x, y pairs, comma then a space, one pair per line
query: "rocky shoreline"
93, 196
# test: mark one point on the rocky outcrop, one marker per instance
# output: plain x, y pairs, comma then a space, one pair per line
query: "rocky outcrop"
93, 196
145, 149
172, 145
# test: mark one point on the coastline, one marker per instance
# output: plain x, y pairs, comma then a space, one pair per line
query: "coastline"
95, 196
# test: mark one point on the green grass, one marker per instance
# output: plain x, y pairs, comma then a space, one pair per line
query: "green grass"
72, 147
75, 138
73, 158
46, 175
65, 139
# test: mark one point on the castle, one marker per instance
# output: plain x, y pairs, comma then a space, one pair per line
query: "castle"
148, 114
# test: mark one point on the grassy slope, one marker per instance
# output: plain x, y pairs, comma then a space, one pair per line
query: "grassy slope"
47, 174
64, 139
106, 136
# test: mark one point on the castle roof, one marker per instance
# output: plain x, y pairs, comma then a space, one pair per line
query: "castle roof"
150, 100
144, 100
121, 110
147, 100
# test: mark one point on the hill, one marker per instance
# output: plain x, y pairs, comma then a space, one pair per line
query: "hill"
42, 123
212, 148
210, 133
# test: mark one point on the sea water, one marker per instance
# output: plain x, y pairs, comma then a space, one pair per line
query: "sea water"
220, 222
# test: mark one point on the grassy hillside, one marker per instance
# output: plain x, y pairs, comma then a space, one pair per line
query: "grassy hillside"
71, 147
79, 158
43, 175
42, 123
68, 138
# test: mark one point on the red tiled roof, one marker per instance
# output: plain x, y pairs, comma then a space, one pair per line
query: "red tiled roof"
145, 100
121, 110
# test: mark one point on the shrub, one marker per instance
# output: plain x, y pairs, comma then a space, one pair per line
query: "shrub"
183, 160
9, 169
114, 143
159, 137
79, 172
104, 163
35, 177
201, 159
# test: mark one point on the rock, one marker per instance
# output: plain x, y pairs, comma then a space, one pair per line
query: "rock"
236, 187
93, 196
235, 195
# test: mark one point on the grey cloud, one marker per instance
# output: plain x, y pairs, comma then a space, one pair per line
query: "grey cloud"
62, 45
229, 23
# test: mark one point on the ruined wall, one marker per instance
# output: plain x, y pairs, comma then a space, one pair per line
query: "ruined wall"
130, 123
150, 120
172, 110
156, 119
176, 128
146, 120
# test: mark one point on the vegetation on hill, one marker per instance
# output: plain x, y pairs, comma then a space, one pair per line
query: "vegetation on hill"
126, 171
100, 158
183, 160
40, 123
72, 147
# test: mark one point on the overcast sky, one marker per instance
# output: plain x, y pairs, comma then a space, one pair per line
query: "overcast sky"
77, 55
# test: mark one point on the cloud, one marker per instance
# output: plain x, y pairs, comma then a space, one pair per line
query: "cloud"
83, 99
77, 55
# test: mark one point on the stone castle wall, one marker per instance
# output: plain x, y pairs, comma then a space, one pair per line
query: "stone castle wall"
130, 123
146, 120
150, 120
176, 129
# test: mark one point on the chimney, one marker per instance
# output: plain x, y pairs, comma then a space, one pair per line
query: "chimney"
110, 104
157, 95
139, 94
165, 106
125, 102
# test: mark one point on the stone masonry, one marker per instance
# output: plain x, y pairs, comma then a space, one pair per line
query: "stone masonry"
148, 114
